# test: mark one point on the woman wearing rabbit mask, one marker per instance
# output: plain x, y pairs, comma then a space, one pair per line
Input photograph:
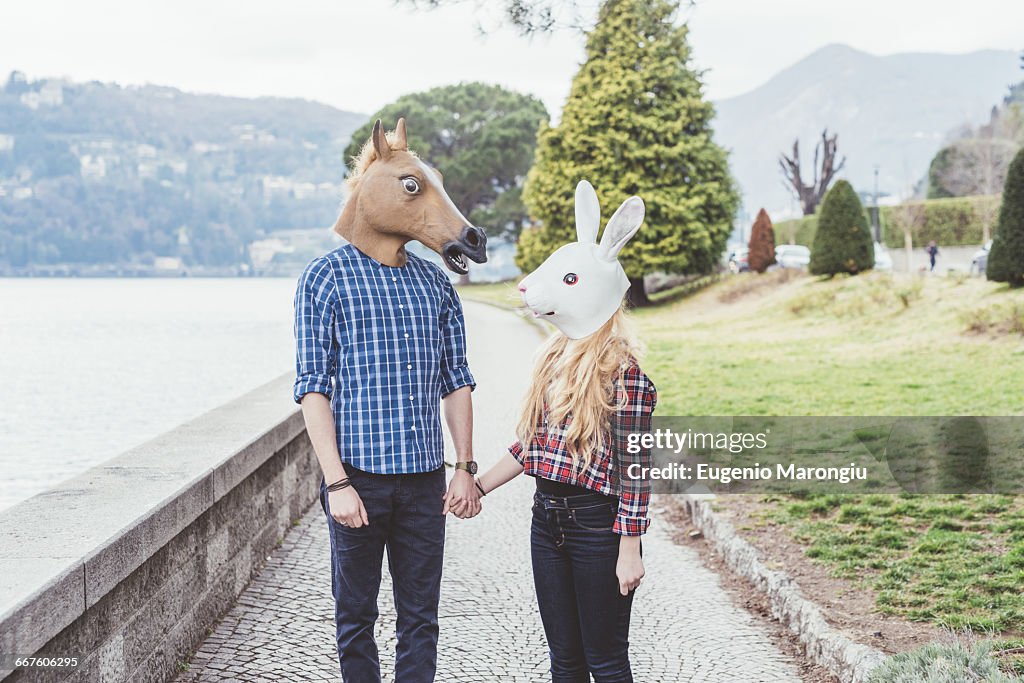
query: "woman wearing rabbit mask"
587, 395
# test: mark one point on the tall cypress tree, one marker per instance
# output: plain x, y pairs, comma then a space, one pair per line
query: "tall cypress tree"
842, 243
1006, 258
635, 123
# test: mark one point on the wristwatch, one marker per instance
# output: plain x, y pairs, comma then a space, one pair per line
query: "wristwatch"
470, 466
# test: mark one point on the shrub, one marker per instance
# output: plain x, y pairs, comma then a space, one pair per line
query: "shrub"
762, 243
843, 242
1006, 258
958, 221
938, 663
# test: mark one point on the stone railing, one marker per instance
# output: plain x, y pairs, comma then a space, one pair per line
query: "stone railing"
127, 565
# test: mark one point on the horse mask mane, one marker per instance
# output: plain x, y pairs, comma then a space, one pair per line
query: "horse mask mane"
395, 197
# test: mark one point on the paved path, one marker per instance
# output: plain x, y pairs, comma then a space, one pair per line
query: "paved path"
684, 626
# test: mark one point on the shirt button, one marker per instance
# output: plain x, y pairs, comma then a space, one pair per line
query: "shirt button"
406, 335
414, 428
394, 279
409, 366
401, 305
411, 397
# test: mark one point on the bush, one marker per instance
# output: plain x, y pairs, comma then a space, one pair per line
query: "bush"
1006, 259
958, 221
762, 243
843, 242
955, 221
938, 663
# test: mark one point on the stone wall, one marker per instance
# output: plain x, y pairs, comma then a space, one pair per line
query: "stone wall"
127, 565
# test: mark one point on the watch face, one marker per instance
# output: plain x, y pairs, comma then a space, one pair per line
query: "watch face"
471, 467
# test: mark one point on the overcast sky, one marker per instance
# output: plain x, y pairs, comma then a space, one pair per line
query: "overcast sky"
360, 54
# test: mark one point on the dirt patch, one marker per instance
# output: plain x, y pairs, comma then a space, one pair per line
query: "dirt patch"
846, 606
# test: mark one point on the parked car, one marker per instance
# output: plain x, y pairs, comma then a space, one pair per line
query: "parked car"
979, 262
883, 261
738, 262
792, 256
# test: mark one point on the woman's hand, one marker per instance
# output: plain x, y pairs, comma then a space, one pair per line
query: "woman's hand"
630, 567
347, 508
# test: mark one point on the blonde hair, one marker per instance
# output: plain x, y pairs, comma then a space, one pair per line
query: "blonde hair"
575, 379
367, 155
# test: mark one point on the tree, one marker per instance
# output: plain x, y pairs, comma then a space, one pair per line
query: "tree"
481, 137
1006, 258
810, 196
910, 217
636, 123
762, 243
843, 242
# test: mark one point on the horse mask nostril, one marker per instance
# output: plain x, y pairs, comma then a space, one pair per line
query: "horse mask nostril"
473, 237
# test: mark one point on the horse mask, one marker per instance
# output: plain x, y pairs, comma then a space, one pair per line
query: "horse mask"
395, 197
581, 285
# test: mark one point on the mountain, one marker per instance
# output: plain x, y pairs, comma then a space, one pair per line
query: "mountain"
894, 111
137, 177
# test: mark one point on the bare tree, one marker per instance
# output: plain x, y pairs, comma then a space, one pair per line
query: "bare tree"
977, 166
810, 195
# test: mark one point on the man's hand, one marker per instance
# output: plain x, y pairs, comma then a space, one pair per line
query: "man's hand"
347, 508
463, 498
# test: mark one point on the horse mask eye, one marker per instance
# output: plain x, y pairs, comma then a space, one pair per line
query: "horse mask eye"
411, 185
570, 279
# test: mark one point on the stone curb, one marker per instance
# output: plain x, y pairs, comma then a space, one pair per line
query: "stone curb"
849, 661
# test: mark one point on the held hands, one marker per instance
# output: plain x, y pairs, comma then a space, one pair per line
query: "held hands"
463, 497
347, 508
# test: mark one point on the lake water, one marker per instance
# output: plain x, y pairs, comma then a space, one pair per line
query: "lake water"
91, 367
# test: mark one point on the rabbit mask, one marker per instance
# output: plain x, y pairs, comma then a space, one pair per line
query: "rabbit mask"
580, 286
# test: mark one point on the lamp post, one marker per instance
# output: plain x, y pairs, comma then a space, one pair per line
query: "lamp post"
876, 217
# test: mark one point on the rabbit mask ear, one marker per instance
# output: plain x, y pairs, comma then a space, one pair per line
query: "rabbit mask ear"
621, 227
588, 213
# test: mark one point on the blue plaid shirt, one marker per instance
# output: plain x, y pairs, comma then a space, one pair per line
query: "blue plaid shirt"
384, 344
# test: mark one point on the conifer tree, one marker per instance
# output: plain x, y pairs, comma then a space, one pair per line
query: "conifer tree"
635, 122
1006, 258
761, 252
842, 243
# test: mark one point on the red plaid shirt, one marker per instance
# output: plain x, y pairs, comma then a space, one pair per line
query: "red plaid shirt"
548, 457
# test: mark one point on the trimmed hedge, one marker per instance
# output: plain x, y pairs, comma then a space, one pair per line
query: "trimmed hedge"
843, 241
954, 221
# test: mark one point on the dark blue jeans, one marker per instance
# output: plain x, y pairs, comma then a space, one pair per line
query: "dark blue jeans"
586, 619
405, 518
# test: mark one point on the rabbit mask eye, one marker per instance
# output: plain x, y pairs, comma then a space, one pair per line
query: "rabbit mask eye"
570, 279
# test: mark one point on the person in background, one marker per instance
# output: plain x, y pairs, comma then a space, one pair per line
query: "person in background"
933, 252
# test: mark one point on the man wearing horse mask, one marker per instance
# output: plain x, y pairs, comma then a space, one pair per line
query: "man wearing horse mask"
380, 347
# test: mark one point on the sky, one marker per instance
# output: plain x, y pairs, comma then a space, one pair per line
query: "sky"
361, 54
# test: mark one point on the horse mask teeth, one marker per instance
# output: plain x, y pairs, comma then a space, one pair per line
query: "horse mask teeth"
581, 285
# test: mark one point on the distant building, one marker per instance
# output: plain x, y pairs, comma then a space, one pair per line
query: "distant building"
167, 264
92, 167
6, 142
262, 252
51, 94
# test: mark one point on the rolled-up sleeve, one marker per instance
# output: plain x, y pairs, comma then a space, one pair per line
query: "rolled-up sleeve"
454, 367
635, 416
315, 344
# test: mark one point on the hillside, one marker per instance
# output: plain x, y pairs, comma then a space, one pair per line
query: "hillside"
96, 173
894, 111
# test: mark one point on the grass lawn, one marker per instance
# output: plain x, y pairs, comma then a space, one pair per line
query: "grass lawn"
875, 344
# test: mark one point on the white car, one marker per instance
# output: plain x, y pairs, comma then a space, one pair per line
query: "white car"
792, 256
883, 262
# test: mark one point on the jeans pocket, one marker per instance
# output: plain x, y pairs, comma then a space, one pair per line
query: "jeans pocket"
600, 517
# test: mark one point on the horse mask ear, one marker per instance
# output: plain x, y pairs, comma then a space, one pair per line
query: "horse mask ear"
380, 141
400, 143
588, 213
621, 227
